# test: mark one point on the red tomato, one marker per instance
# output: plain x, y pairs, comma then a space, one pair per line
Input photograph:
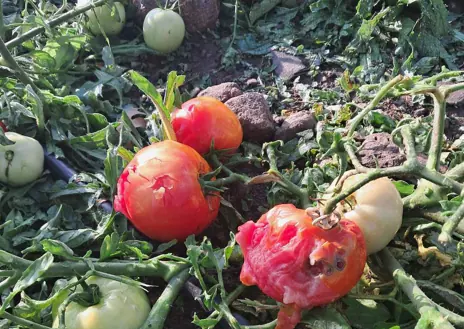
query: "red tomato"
298, 264
203, 119
160, 194
3, 126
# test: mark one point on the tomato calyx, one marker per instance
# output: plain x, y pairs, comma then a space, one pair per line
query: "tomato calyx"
324, 221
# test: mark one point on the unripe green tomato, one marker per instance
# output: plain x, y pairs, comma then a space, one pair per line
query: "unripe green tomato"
163, 30
111, 24
21, 163
121, 306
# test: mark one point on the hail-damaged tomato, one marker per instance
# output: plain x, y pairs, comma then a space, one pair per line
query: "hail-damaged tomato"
160, 193
203, 119
299, 264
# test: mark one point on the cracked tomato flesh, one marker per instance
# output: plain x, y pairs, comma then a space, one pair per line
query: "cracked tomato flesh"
299, 264
160, 193
203, 119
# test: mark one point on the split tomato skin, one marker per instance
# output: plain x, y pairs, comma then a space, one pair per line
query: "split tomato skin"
203, 119
298, 264
160, 193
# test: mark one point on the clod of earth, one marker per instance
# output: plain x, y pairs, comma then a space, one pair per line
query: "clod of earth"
380, 149
287, 66
199, 15
223, 91
255, 116
295, 123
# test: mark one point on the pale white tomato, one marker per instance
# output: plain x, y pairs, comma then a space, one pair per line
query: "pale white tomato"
376, 208
21, 163
163, 30
121, 306
111, 17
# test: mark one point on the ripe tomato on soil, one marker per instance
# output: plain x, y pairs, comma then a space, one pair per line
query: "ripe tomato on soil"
160, 193
203, 119
298, 264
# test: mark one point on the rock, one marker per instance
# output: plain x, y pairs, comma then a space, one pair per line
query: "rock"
199, 15
252, 82
380, 146
287, 66
295, 123
278, 119
223, 91
456, 98
254, 115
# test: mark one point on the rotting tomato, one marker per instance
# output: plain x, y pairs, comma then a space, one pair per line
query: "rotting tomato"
299, 264
160, 193
121, 306
21, 163
376, 208
203, 119
111, 21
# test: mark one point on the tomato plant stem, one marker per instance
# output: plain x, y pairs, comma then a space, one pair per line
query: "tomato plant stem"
380, 95
52, 23
439, 105
23, 322
451, 224
161, 309
270, 325
437, 316
152, 267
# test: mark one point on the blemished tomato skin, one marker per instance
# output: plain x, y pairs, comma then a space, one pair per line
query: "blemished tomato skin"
298, 264
160, 193
203, 119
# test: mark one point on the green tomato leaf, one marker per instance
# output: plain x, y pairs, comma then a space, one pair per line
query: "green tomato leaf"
365, 313
404, 188
149, 89
58, 248
31, 275
325, 318
109, 246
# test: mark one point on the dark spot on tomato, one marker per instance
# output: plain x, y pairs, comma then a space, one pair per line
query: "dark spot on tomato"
328, 269
340, 264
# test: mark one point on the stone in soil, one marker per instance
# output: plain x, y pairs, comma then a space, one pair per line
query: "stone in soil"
287, 66
295, 123
199, 15
381, 147
456, 98
255, 116
223, 91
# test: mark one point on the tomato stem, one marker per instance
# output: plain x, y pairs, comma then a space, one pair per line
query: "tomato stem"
438, 316
161, 309
23, 322
52, 23
152, 267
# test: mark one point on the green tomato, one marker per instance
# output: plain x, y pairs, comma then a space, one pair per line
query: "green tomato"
121, 306
21, 163
163, 30
111, 24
